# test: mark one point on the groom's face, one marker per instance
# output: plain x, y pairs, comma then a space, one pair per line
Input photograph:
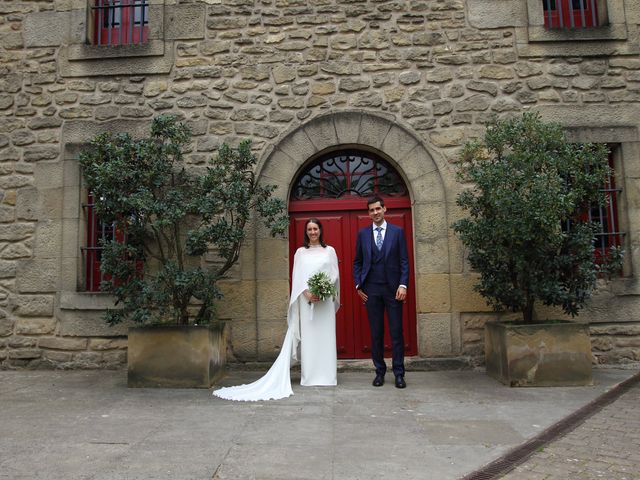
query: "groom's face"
376, 213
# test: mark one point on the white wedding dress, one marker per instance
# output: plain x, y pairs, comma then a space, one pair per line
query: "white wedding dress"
310, 338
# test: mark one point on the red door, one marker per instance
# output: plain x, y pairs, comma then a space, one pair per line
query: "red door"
341, 220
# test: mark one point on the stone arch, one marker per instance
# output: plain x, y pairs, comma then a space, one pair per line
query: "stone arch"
431, 185
382, 133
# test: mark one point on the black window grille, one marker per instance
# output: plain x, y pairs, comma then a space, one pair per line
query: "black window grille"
120, 22
348, 173
567, 14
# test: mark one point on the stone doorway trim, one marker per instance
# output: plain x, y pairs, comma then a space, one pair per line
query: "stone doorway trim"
432, 188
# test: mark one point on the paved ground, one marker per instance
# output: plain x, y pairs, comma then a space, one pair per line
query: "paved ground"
606, 446
88, 425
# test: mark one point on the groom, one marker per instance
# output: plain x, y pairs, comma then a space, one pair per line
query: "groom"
381, 275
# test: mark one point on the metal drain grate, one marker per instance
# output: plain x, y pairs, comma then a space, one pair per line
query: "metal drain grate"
519, 454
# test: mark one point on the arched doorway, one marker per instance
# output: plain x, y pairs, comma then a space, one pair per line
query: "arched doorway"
333, 187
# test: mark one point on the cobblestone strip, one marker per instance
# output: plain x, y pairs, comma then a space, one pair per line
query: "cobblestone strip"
605, 446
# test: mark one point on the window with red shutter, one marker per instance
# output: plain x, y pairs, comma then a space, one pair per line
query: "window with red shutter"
98, 232
568, 14
120, 22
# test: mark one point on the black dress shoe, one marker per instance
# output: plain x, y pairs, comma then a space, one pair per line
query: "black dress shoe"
378, 381
400, 383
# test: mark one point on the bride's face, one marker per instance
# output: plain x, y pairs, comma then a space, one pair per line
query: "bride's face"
313, 232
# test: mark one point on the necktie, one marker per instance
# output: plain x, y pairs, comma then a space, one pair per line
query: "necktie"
379, 238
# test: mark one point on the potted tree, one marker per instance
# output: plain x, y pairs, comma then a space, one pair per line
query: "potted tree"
529, 239
166, 218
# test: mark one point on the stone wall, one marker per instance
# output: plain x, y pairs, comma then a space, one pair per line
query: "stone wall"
430, 74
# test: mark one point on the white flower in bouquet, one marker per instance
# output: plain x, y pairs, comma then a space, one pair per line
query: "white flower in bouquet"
321, 286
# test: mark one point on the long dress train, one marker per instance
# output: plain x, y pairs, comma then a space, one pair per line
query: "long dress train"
310, 327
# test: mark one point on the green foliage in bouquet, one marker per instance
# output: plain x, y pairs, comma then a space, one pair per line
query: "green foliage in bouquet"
321, 286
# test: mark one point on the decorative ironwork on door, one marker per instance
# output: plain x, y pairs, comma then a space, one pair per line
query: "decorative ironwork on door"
348, 173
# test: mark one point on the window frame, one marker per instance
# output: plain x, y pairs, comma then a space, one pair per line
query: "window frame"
538, 40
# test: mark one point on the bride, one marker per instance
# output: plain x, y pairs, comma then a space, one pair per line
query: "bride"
311, 333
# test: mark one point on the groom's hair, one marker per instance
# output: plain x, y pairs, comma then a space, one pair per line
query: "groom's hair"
374, 199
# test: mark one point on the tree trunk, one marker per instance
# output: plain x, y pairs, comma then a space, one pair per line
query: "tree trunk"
527, 312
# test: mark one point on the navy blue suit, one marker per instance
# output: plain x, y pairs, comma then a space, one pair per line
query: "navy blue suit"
379, 273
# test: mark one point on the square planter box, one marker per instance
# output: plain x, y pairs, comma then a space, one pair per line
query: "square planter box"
546, 354
176, 356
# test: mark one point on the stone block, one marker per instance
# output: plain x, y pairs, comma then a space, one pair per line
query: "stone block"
27, 203
271, 333
102, 344
456, 254
416, 162
11, 40
373, 130
435, 334
347, 127
87, 360
70, 175
322, 132
35, 326
398, 143
57, 357
463, 297
272, 255
33, 305
238, 301
16, 232
272, 298
114, 359
24, 354
184, 21
428, 188
7, 269
50, 175
6, 326
451, 137
476, 321
433, 292
88, 324
7, 214
497, 13
71, 277
431, 255
242, 338
280, 168
49, 205
601, 116
36, 275
63, 343
430, 220
283, 74
297, 146
48, 242
21, 342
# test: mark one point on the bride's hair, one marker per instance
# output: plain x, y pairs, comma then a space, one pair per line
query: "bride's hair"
306, 237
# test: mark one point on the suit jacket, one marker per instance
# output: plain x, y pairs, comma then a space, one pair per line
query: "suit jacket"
396, 258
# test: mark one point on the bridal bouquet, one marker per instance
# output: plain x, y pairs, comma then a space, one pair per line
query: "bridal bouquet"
321, 286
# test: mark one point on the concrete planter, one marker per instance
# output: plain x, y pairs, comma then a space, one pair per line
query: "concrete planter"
176, 356
548, 354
